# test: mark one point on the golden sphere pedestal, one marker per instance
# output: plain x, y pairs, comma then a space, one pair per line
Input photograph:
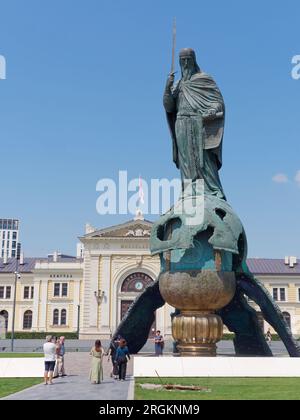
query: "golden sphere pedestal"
197, 294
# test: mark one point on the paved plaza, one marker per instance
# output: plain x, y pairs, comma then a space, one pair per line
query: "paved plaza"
76, 386
225, 348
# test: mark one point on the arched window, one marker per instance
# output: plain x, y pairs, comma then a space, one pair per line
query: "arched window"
287, 318
5, 316
56, 317
63, 317
27, 320
136, 282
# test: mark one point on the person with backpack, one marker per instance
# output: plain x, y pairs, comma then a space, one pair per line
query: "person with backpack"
112, 357
122, 358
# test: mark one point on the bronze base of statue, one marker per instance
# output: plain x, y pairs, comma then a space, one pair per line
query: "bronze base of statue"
197, 334
197, 294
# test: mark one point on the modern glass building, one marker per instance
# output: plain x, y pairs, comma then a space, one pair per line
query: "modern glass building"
9, 237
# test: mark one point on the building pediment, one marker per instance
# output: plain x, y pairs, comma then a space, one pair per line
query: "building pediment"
131, 229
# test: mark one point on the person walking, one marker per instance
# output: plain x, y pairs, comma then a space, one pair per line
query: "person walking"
159, 344
112, 357
60, 357
49, 354
96, 372
56, 341
122, 357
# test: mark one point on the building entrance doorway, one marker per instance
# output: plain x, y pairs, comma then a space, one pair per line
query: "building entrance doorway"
131, 288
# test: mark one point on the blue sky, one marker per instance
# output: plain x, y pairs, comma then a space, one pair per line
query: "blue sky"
83, 100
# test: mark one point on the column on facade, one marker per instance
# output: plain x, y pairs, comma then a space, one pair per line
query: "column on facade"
76, 302
168, 310
43, 305
36, 301
105, 284
94, 287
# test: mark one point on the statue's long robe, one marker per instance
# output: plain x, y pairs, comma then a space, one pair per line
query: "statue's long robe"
197, 143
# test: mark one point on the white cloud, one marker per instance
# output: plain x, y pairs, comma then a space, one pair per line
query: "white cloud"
297, 178
282, 178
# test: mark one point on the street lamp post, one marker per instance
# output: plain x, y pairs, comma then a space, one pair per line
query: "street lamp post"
15, 297
78, 321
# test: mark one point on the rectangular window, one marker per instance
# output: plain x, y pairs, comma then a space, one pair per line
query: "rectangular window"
1, 292
32, 292
65, 289
282, 295
279, 294
14, 236
26, 292
8, 292
56, 290
275, 295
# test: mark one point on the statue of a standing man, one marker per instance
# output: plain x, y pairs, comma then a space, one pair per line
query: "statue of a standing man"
196, 114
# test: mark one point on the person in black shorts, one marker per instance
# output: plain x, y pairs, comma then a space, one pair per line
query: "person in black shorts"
49, 352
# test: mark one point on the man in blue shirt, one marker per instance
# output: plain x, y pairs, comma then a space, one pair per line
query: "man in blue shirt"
159, 344
122, 357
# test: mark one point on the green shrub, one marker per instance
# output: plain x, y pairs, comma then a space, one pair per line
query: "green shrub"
230, 337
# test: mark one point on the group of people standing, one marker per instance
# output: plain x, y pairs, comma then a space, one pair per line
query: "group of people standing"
119, 356
54, 351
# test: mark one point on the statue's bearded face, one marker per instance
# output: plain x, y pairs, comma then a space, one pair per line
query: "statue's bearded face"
187, 65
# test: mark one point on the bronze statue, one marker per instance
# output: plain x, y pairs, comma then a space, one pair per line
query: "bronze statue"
196, 112
204, 272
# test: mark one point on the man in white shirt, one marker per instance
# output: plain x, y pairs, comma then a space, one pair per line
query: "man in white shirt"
49, 352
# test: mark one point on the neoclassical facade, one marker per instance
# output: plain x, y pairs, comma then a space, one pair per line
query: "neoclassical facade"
90, 294
117, 268
48, 293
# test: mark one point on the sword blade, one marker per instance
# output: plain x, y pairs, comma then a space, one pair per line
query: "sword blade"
174, 46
